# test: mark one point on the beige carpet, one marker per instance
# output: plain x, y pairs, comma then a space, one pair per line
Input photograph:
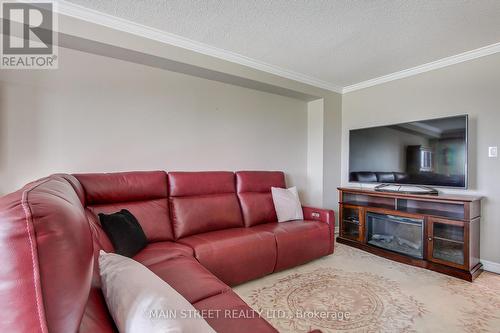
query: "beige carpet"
354, 291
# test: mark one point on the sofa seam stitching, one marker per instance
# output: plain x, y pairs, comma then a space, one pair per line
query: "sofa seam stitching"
36, 272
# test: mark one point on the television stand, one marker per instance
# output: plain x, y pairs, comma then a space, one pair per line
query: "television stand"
436, 232
406, 189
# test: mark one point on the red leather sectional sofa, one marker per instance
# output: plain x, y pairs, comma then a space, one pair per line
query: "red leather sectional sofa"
207, 231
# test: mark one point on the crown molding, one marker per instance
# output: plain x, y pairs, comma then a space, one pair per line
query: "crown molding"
455, 59
113, 22
96, 17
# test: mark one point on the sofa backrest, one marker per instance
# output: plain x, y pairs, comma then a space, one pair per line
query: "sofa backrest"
203, 201
143, 193
254, 193
46, 257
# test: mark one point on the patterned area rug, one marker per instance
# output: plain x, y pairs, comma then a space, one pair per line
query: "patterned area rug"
354, 291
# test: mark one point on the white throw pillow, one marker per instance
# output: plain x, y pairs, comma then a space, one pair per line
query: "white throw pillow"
140, 301
287, 204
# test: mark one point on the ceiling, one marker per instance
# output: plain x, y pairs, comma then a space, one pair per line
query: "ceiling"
337, 43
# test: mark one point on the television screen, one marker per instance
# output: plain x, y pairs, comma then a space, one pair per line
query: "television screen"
429, 152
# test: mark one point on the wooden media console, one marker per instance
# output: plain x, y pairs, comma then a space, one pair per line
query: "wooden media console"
437, 232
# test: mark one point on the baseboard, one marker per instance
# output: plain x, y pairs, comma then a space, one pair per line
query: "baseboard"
491, 266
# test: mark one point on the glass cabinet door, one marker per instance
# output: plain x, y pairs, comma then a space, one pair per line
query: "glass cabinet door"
446, 242
351, 225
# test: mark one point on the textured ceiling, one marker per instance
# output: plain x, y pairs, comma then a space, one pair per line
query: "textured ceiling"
342, 42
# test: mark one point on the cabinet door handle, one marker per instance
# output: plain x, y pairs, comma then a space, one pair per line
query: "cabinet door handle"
430, 239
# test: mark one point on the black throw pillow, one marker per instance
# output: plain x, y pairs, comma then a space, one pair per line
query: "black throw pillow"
124, 231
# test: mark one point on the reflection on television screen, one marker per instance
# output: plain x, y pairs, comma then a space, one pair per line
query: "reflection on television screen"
430, 152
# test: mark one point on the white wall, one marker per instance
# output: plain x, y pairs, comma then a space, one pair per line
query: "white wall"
471, 88
331, 150
315, 123
97, 114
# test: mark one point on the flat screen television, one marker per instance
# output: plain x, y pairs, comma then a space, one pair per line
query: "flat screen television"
428, 152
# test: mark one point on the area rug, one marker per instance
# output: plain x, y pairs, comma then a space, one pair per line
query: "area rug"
355, 291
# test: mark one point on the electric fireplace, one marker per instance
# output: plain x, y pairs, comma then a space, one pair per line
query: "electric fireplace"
396, 233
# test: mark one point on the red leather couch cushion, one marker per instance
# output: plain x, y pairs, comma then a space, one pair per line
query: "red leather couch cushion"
46, 257
188, 184
188, 277
224, 315
97, 317
158, 252
235, 255
254, 193
298, 242
105, 188
203, 202
144, 194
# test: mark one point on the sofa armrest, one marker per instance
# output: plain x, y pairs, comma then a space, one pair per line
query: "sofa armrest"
322, 215
319, 214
